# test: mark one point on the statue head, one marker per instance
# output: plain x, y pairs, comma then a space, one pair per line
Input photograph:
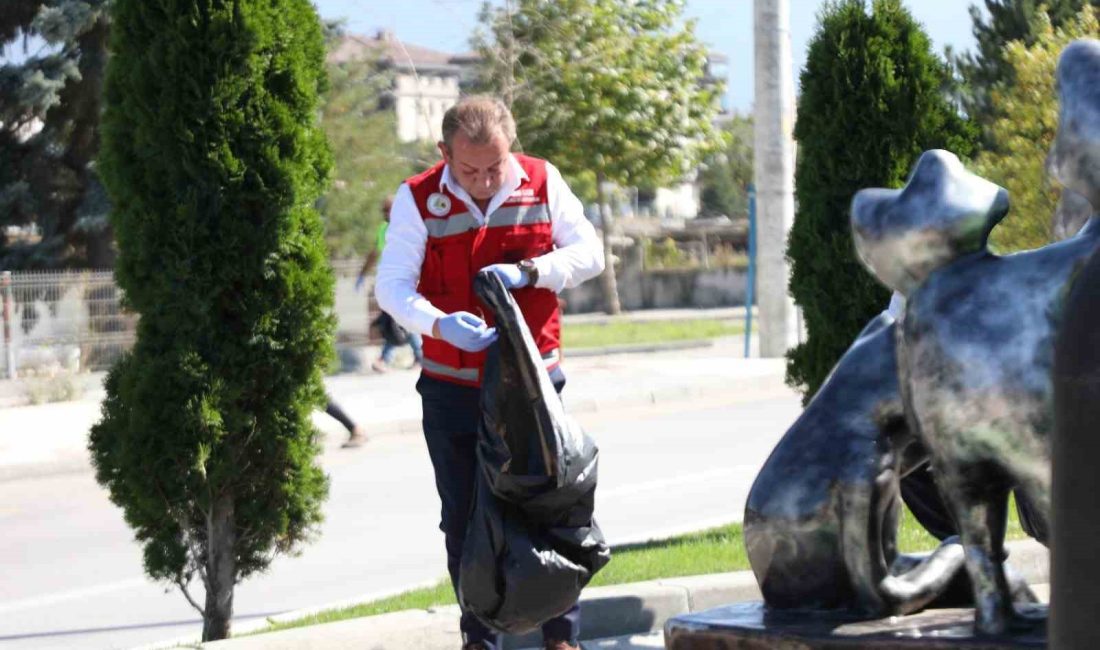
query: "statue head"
942, 213
1075, 158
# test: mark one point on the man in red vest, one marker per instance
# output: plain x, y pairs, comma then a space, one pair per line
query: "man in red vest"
480, 207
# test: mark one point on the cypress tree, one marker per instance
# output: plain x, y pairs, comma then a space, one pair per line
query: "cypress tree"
213, 159
872, 100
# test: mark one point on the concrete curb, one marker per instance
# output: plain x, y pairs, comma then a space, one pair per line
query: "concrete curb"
650, 315
688, 344
606, 611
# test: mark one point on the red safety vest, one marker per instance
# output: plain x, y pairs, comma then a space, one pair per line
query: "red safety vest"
458, 247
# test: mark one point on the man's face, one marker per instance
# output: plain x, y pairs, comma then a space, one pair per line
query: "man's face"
479, 168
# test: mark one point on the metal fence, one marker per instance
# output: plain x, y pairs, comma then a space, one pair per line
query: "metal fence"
62, 321
75, 320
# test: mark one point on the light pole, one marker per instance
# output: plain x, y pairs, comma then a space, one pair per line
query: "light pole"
773, 171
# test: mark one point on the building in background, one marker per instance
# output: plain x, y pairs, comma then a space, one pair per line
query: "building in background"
426, 82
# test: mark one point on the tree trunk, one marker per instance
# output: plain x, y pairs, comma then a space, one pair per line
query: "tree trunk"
221, 570
774, 172
607, 279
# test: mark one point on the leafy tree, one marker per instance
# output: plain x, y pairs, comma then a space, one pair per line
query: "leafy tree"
1002, 22
726, 174
370, 161
213, 160
1023, 131
49, 133
871, 102
612, 87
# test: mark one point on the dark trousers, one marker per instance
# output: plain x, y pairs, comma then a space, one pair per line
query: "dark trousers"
334, 411
451, 414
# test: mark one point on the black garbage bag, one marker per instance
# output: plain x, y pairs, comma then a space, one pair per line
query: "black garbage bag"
533, 454
531, 542
516, 574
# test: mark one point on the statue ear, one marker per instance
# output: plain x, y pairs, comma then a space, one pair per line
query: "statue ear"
942, 213
1075, 157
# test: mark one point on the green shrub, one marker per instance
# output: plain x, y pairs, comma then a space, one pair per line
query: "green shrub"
665, 254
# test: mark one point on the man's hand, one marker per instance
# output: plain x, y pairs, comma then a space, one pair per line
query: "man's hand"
512, 276
464, 331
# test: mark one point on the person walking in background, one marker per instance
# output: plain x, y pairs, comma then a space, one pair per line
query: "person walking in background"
481, 207
357, 437
393, 335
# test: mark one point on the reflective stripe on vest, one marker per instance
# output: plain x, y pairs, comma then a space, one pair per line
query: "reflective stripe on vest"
550, 359
522, 215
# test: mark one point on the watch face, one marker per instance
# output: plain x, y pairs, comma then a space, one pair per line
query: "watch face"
530, 270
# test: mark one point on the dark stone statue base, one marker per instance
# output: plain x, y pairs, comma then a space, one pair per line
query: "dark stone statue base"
748, 626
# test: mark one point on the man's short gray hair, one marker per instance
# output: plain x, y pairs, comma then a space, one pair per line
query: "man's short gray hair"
479, 118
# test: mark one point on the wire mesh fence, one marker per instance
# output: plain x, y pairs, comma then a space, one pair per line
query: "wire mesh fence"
68, 320
76, 320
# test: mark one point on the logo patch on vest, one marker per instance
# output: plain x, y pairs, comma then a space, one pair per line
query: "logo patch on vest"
439, 204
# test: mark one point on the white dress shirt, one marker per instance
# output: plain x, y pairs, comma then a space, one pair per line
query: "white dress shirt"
577, 256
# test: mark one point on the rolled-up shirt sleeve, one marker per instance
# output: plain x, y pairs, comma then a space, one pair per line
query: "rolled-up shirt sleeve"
399, 267
579, 254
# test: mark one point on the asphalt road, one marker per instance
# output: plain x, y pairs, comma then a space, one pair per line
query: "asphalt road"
71, 572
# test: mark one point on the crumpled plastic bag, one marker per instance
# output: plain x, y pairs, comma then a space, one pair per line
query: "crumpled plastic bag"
531, 541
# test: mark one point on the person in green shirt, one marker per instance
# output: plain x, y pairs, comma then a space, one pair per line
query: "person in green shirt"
389, 346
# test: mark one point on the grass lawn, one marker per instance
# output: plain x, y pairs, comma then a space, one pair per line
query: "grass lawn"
597, 335
717, 550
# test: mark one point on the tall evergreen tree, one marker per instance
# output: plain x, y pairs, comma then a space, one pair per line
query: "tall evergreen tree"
49, 137
1002, 22
871, 102
214, 160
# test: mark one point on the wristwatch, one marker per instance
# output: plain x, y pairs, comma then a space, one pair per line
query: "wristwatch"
530, 270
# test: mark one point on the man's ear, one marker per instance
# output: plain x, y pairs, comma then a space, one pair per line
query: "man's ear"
443, 151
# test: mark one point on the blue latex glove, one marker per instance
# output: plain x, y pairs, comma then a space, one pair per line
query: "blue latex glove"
510, 274
359, 282
466, 331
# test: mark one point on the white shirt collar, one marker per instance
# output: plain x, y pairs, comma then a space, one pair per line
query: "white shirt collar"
515, 176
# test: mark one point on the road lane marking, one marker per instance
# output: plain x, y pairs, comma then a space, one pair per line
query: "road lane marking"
75, 594
678, 481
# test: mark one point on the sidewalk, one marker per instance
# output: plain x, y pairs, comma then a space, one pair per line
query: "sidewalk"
89, 385
623, 617
52, 438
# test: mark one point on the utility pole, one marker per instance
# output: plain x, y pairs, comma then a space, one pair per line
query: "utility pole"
774, 172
